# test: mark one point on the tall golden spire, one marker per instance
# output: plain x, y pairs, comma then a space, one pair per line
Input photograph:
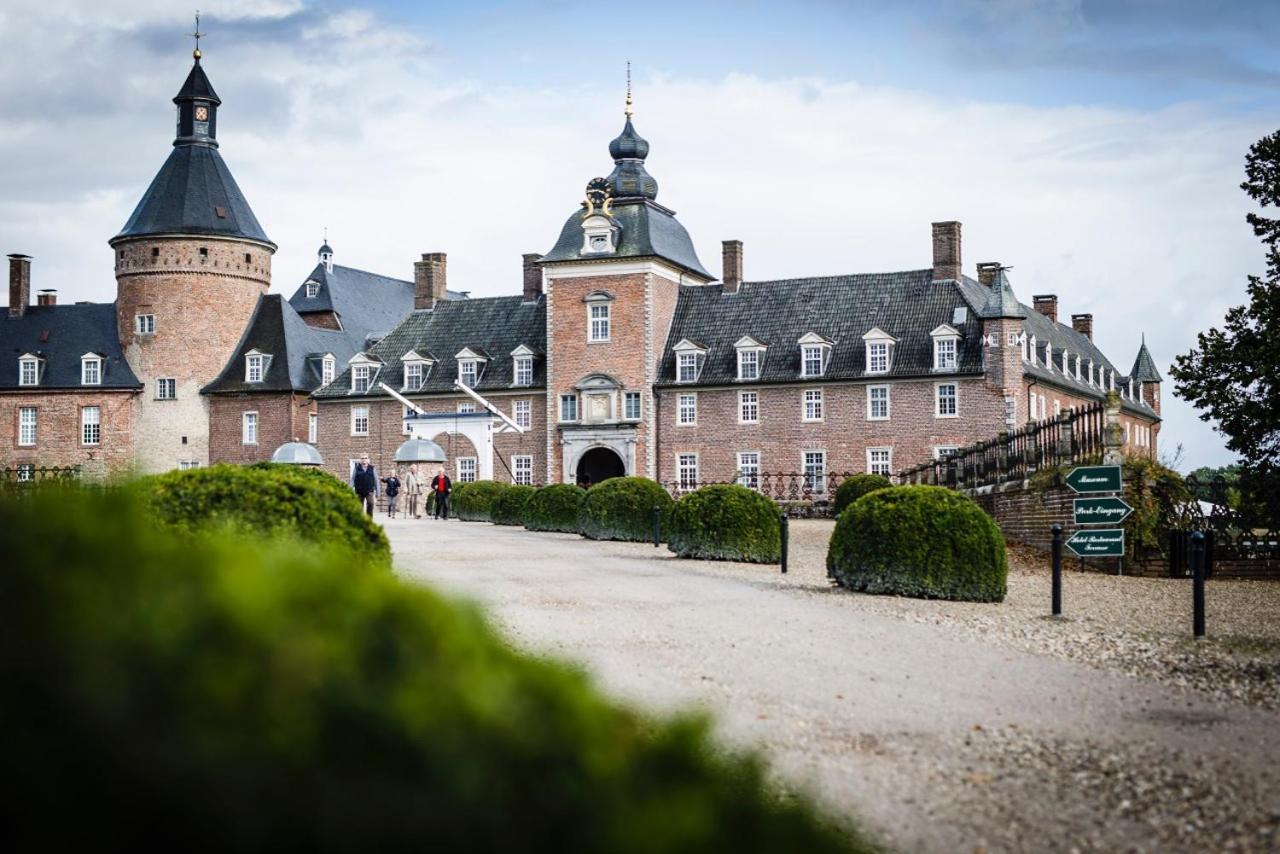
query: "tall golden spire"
197, 35
627, 112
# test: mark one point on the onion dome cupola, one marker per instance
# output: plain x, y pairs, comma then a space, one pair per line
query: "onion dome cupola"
194, 192
629, 177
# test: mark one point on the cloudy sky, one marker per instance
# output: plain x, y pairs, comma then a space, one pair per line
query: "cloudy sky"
1095, 146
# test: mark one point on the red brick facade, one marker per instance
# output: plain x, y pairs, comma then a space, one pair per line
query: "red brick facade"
59, 439
281, 417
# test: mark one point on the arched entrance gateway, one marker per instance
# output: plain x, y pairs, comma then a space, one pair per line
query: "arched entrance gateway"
599, 464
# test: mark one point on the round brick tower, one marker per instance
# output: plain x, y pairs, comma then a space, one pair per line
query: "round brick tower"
190, 264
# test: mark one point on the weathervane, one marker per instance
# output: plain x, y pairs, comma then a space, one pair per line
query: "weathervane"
627, 111
197, 35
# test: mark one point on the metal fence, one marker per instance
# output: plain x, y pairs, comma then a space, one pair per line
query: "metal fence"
1238, 518
1074, 436
780, 486
25, 474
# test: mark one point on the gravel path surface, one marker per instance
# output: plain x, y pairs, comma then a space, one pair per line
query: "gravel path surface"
940, 726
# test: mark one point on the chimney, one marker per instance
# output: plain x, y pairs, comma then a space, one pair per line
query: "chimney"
532, 276
1046, 304
731, 267
1083, 323
19, 284
987, 272
429, 280
47, 297
946, 250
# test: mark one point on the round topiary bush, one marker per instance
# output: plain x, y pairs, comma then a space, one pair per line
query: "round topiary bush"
265, 698
856, 486
726, 522
922, 541
554, 508
268, 499
621, 508
508, 507
474, 503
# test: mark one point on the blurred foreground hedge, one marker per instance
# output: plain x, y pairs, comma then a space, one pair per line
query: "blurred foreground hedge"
214, 692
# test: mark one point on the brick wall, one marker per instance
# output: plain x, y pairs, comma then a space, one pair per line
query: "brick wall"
58, 434
282, 417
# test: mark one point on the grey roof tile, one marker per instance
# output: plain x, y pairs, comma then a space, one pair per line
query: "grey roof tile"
60, 335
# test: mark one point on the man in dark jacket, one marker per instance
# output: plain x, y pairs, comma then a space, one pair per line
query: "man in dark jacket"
442, 487
364, 480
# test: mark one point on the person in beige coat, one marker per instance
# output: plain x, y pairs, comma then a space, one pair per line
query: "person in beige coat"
413, 488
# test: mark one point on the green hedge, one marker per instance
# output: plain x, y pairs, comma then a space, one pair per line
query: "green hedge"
621, 508
922, 541
508, 507
726, 522
474, 502
266, 499
856, 486
554, 508
234, 694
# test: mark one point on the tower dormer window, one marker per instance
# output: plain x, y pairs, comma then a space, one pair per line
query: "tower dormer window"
313, 290
255, 367
879, 346
599, 235
328, 368
946, 348
91, 369
29, 370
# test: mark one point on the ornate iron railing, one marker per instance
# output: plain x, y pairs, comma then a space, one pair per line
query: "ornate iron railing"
24, 474
780, 486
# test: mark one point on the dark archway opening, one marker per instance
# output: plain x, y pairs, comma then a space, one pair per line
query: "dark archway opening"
599, 464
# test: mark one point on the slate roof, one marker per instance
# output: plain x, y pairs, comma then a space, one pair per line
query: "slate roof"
494, 325
61, 334
365, 302
197, 85
1144, 367
646, 230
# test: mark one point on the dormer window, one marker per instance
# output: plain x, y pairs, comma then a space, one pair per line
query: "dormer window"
1048, 357
328, 368
879, 351
689, 358
522, 366
364, 369
417, 369
599, 235
1078, 360
313, 289
750, 358
255, 366
470, 367
815, 352
29, 370
946, 348
90, 369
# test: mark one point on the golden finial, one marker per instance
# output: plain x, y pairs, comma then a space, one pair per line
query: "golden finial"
197, 35
627, 111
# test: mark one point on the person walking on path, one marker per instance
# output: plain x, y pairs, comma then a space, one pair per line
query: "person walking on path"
364, 480
442, 487
413, 492
393, 492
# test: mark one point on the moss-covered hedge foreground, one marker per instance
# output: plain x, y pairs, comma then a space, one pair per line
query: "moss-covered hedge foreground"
856, 486
474, 502
223, 693
726, 522
922, 541
621, 508
554, 508
269, 499
508, 507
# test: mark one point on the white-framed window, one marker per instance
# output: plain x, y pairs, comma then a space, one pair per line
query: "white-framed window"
1057, 407
466, 469
466, 407
946, 400
313, 288
328, 368
166, 388
686, 367
524, 370
91, 425
943, 452
414, 375
313, 428
880, 461
405, 413
90, 371
815, 470
945, 353
1127, 433
254, 364
469, 372
749, 364
1044, 409
522, 469
249, 428
687, 409
144, 324
687, 470
359, 421
877, 357
187, 465
878, 403
631, 405
812, 360
522, 413
599, 321
749, 469
27, 425
568, 407
28, 370
748, 407
26, 472
361, 378
812, 404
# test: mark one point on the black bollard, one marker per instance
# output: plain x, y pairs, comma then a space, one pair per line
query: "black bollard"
657, 525
1056, 531
782, 525
1197, 584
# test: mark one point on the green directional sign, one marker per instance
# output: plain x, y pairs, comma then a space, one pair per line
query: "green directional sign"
1098, 542
1101, 511
1094, 479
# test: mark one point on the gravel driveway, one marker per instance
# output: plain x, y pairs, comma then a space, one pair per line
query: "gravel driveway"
940, 726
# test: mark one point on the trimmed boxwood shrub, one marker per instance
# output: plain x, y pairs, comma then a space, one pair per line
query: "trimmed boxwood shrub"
621, 508
475, 502
856, 486
508, 507
268, 499
265, 698
726, 522
554, 508
922, 541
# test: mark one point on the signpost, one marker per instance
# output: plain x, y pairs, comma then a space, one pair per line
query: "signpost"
1100, 511
1097, 542
1086, 479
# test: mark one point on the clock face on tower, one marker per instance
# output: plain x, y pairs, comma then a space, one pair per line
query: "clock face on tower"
202, 114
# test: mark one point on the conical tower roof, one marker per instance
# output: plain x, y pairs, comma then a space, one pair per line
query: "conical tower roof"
1144, 367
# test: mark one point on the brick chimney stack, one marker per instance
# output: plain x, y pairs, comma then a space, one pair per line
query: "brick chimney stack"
19, 284
946, 250
532, 276
987, 272
731, 267
429, 280
1083, 323
47, 297
1046, 304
